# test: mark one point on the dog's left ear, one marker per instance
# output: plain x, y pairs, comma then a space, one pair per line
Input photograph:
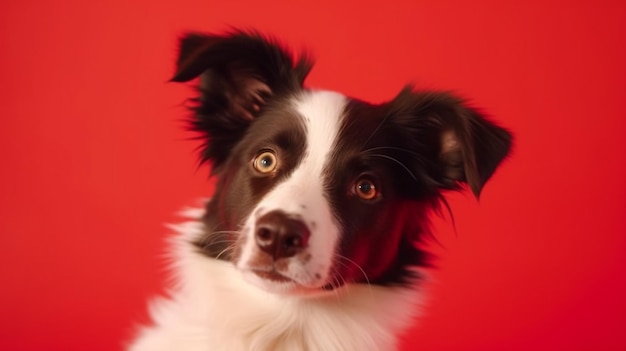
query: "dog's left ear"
239, 74
461, 142
240, 68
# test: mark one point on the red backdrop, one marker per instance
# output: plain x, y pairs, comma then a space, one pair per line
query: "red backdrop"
94, 159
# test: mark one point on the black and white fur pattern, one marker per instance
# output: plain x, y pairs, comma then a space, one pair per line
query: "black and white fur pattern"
314, 237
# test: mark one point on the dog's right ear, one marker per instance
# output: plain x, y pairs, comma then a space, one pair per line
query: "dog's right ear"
239, 73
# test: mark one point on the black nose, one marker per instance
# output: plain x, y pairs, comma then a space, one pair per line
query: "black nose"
281, 236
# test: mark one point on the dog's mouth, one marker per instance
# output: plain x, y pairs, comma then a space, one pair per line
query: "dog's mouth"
272, 276
275, 277
273, 280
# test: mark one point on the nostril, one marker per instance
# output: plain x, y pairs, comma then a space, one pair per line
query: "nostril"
293, 241
264, 234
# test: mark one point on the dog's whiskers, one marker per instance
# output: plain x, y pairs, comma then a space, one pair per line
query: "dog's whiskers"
351, 262
382, 122
398, 162
213, 243
218, 233
337, 280
227, 249
411, 152
342, 257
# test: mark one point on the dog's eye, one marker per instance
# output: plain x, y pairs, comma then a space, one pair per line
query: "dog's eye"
365, 189
265, 162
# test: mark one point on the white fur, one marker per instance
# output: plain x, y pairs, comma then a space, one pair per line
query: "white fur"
302, 195
212, 308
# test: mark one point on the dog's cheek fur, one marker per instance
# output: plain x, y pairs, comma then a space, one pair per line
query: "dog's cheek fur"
236, 196
372, 245
379, 239
221, 216
239, 188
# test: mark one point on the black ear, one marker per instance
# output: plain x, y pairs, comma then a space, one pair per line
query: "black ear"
239, 73
458, 143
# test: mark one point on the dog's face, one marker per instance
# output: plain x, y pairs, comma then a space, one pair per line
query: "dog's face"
315, 189
317, 193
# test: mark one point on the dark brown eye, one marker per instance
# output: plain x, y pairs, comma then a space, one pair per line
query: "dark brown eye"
365, 189
265, 162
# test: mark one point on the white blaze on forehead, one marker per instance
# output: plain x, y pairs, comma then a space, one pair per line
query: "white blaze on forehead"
302, 192
322, 112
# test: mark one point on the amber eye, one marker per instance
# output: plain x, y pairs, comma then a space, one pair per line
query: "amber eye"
366, 189
265, 162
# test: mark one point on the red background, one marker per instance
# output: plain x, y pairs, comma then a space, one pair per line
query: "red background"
93, 159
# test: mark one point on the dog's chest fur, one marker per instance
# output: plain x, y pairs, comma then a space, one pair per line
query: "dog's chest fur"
212, 308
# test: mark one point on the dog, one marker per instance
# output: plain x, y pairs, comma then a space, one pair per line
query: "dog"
315, 237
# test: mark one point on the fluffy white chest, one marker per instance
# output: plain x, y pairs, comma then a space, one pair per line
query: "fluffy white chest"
211, 307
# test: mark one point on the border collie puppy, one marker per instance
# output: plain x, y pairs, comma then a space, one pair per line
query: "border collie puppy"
313, 240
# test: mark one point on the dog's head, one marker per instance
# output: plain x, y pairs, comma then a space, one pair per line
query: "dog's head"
316, 189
